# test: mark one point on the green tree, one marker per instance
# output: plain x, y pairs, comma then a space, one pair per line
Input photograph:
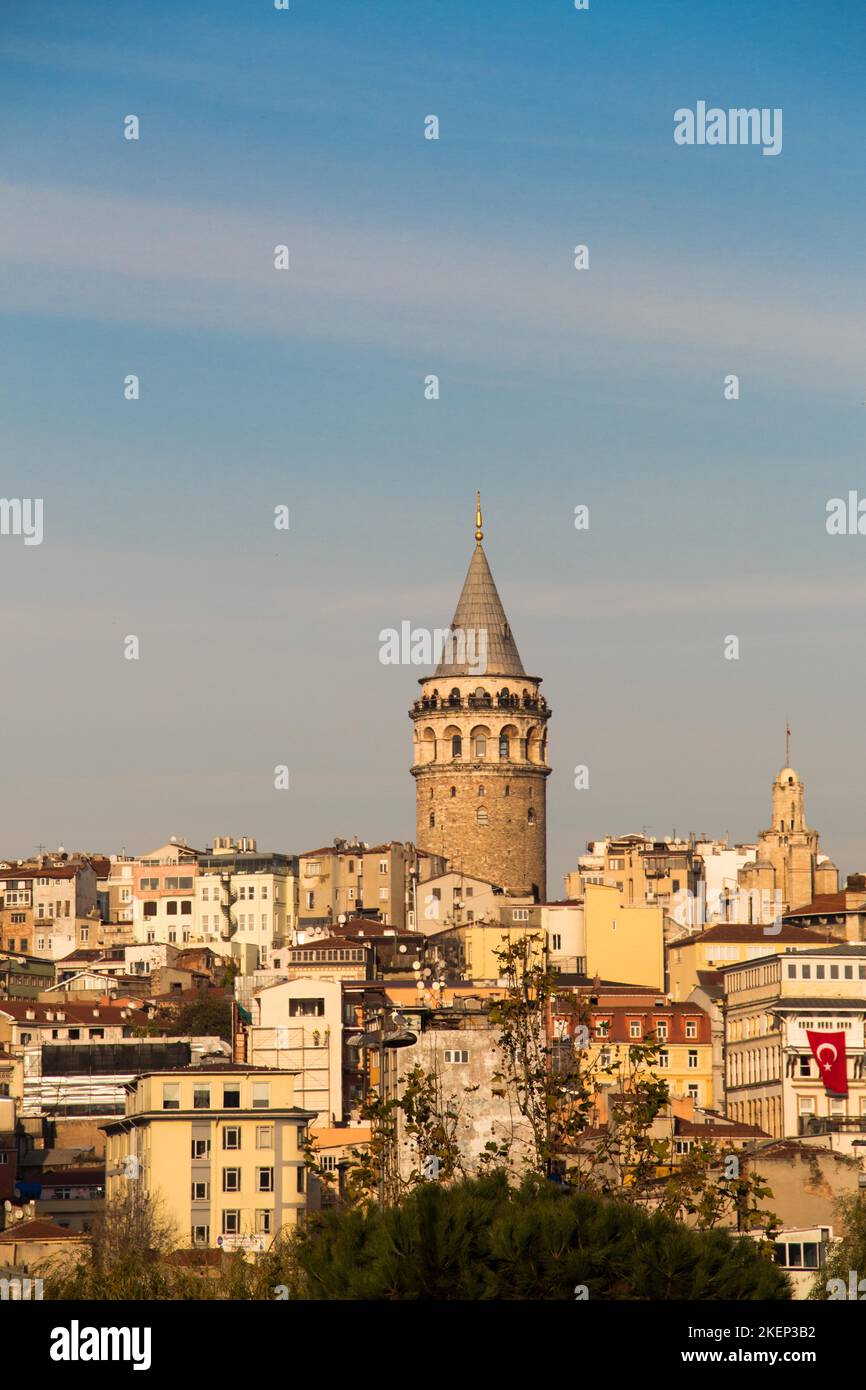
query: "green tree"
482, 1239
849, 1252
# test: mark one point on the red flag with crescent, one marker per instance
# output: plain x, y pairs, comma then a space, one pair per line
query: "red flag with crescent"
828, 1049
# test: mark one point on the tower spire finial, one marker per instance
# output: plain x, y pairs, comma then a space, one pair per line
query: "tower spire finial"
479, 534
787, 743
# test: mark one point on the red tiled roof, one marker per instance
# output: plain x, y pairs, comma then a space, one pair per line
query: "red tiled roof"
751, 931
719, 1130
36, 1230
824, 904
18, 1009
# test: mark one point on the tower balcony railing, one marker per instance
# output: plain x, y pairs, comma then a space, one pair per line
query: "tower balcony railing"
535, 703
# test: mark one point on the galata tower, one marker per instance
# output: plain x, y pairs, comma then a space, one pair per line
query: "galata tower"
480, 745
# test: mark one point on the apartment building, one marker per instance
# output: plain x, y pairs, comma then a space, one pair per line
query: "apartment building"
221, 1145
247, 897
772, 1077
115, 890
680, 1033
343, 878
164, 894
689, 957
644, 870
45, 895
298, 1026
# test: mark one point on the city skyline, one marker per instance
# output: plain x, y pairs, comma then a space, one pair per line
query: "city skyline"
409, 257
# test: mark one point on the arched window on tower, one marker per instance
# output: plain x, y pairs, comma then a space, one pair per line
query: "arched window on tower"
507, 789
480, 746
457, 746
503, 745
530, 816
454, 697
481, 816
432, 819
453, 791
481, 791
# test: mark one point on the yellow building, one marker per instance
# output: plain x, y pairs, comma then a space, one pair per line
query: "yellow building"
472, 948
680, 1032
625, 944
221, 1148
730, 943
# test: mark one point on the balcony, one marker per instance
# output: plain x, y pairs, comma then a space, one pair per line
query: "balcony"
533, 703
831, 1124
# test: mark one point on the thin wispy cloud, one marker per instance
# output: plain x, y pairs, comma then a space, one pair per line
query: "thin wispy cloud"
147, 261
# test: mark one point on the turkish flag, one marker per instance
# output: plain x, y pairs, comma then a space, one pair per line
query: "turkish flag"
828, 1049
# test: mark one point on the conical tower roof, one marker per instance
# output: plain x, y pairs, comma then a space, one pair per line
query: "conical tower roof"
479, 610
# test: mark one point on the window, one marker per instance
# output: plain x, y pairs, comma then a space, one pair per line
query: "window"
171, 909
556, 942
200, 1191
264, 1136
520, 914
263, 1222
664, 1059
231, 1097
170, 1095
530, 817
460, 1055
503, 745
693, 1090
201, 1098
264, 1180
383, 866
306, 1008
231, 1223
481, 816
691, 1028
804, 1067
662, 1030
150, 909
186, 908
261, 1095
456, 746
432, 819
693, 1059
231, 1179
232, 1137
799, 1254
634, 1029
200, 1148
200, 1235
683, 1146
301, 1182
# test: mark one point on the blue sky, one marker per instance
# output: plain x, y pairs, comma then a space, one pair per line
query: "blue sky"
557, 387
